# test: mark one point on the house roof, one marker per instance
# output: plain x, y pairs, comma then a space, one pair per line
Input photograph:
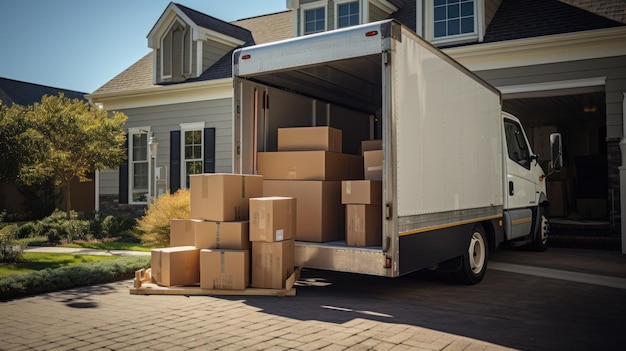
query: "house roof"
24, 93
270, 27
613, 9
406, 14
137, 76
212, 23
516, 19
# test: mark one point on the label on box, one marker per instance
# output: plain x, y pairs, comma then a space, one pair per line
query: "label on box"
280, 235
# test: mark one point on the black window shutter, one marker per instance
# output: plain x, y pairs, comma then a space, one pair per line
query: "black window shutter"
123, 177
209, 150
174, 161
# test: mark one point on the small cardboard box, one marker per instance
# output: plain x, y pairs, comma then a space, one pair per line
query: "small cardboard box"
224, 269
189, 232
272, 218
173, 266
364, 225
223, 197
368, 145
309, 165
309, 139
319, 213
272, 263
227, 235
360, 191
373, 165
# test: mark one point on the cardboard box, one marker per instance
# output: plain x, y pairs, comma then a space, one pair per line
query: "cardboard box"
224, 269
173, 266
360, 191
272, 218
373, 165
272, 263
223, 197
228, 235
309, 139
309, 165
189, 232
319, 213
364, 225
368, 145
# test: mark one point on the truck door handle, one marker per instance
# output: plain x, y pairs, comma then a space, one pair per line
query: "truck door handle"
511, 190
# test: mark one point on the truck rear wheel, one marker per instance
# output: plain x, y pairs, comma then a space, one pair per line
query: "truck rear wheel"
474, 261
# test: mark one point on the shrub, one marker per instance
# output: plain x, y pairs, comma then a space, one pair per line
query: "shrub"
155, 225
118, 227
20, 285
10, 249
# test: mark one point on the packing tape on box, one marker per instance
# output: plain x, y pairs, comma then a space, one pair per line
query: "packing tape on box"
348, 187
222, 261
205, 187
243, 187
218, 226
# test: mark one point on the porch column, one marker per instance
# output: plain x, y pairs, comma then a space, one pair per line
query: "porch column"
622, 176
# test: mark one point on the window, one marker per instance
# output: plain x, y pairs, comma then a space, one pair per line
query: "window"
176, 52
192, 145
348, 14
517, 146
313, 17
139, 172
454, 19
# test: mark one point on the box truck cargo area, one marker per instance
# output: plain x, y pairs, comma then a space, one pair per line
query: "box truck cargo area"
458, 175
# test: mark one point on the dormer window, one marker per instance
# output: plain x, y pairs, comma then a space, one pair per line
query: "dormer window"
453, 21
314, 17
348, 13
176, 55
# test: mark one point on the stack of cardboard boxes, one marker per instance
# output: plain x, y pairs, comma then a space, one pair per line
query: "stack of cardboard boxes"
212, 248
309, 166
272, 232
363, 199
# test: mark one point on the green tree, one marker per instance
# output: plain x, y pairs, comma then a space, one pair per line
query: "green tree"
70, 139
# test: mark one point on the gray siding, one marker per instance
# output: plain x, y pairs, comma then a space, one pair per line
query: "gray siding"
613, 68
376, 14
491, 6
211, 52
163, 119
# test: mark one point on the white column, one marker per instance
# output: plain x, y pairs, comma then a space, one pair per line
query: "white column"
622, 176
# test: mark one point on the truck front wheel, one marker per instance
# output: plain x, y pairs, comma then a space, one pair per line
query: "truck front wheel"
474, 261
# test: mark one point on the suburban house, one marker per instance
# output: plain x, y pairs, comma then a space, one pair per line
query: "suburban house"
560, 65
25, 94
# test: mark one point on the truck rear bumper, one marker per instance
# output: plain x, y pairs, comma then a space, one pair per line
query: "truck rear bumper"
337, 256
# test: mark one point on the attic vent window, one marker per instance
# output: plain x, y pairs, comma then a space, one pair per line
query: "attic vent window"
176, 53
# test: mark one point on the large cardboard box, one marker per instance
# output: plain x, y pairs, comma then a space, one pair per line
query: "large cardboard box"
364, 225
272, 218
319, 213
373, 165
309, 165
173, 266
224, 269
228, 235
368, 145
189, 232
360, 191
272, 263
309, 139
223, 197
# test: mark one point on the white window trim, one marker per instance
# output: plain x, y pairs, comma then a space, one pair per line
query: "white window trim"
478, 34
342, 2
313, 6
131, 132
184, 127
167, 31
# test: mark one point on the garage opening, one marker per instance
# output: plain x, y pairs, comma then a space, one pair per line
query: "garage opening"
580, 196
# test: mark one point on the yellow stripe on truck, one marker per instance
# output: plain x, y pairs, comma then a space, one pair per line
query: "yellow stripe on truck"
449, 225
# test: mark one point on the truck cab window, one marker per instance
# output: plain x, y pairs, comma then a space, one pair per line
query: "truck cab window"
516, 144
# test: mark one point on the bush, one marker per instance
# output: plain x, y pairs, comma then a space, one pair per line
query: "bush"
155, 225
47, 280
10, 249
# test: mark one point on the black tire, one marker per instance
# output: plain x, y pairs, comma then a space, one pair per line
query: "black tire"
540, 237
474, 261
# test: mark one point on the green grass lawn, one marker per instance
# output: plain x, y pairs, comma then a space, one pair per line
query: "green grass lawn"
36, 261
109, 245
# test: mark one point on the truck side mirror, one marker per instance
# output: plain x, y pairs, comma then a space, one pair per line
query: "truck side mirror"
556, 153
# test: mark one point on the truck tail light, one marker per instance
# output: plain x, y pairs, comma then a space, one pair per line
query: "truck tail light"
371, 33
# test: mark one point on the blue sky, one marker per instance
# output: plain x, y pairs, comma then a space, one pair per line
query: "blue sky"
81, 44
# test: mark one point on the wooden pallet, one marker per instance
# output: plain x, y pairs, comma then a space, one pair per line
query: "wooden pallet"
142, 286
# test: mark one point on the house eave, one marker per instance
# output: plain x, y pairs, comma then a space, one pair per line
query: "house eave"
542, 50
164, 94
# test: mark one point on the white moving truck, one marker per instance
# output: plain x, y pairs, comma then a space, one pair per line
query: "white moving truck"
459, 177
